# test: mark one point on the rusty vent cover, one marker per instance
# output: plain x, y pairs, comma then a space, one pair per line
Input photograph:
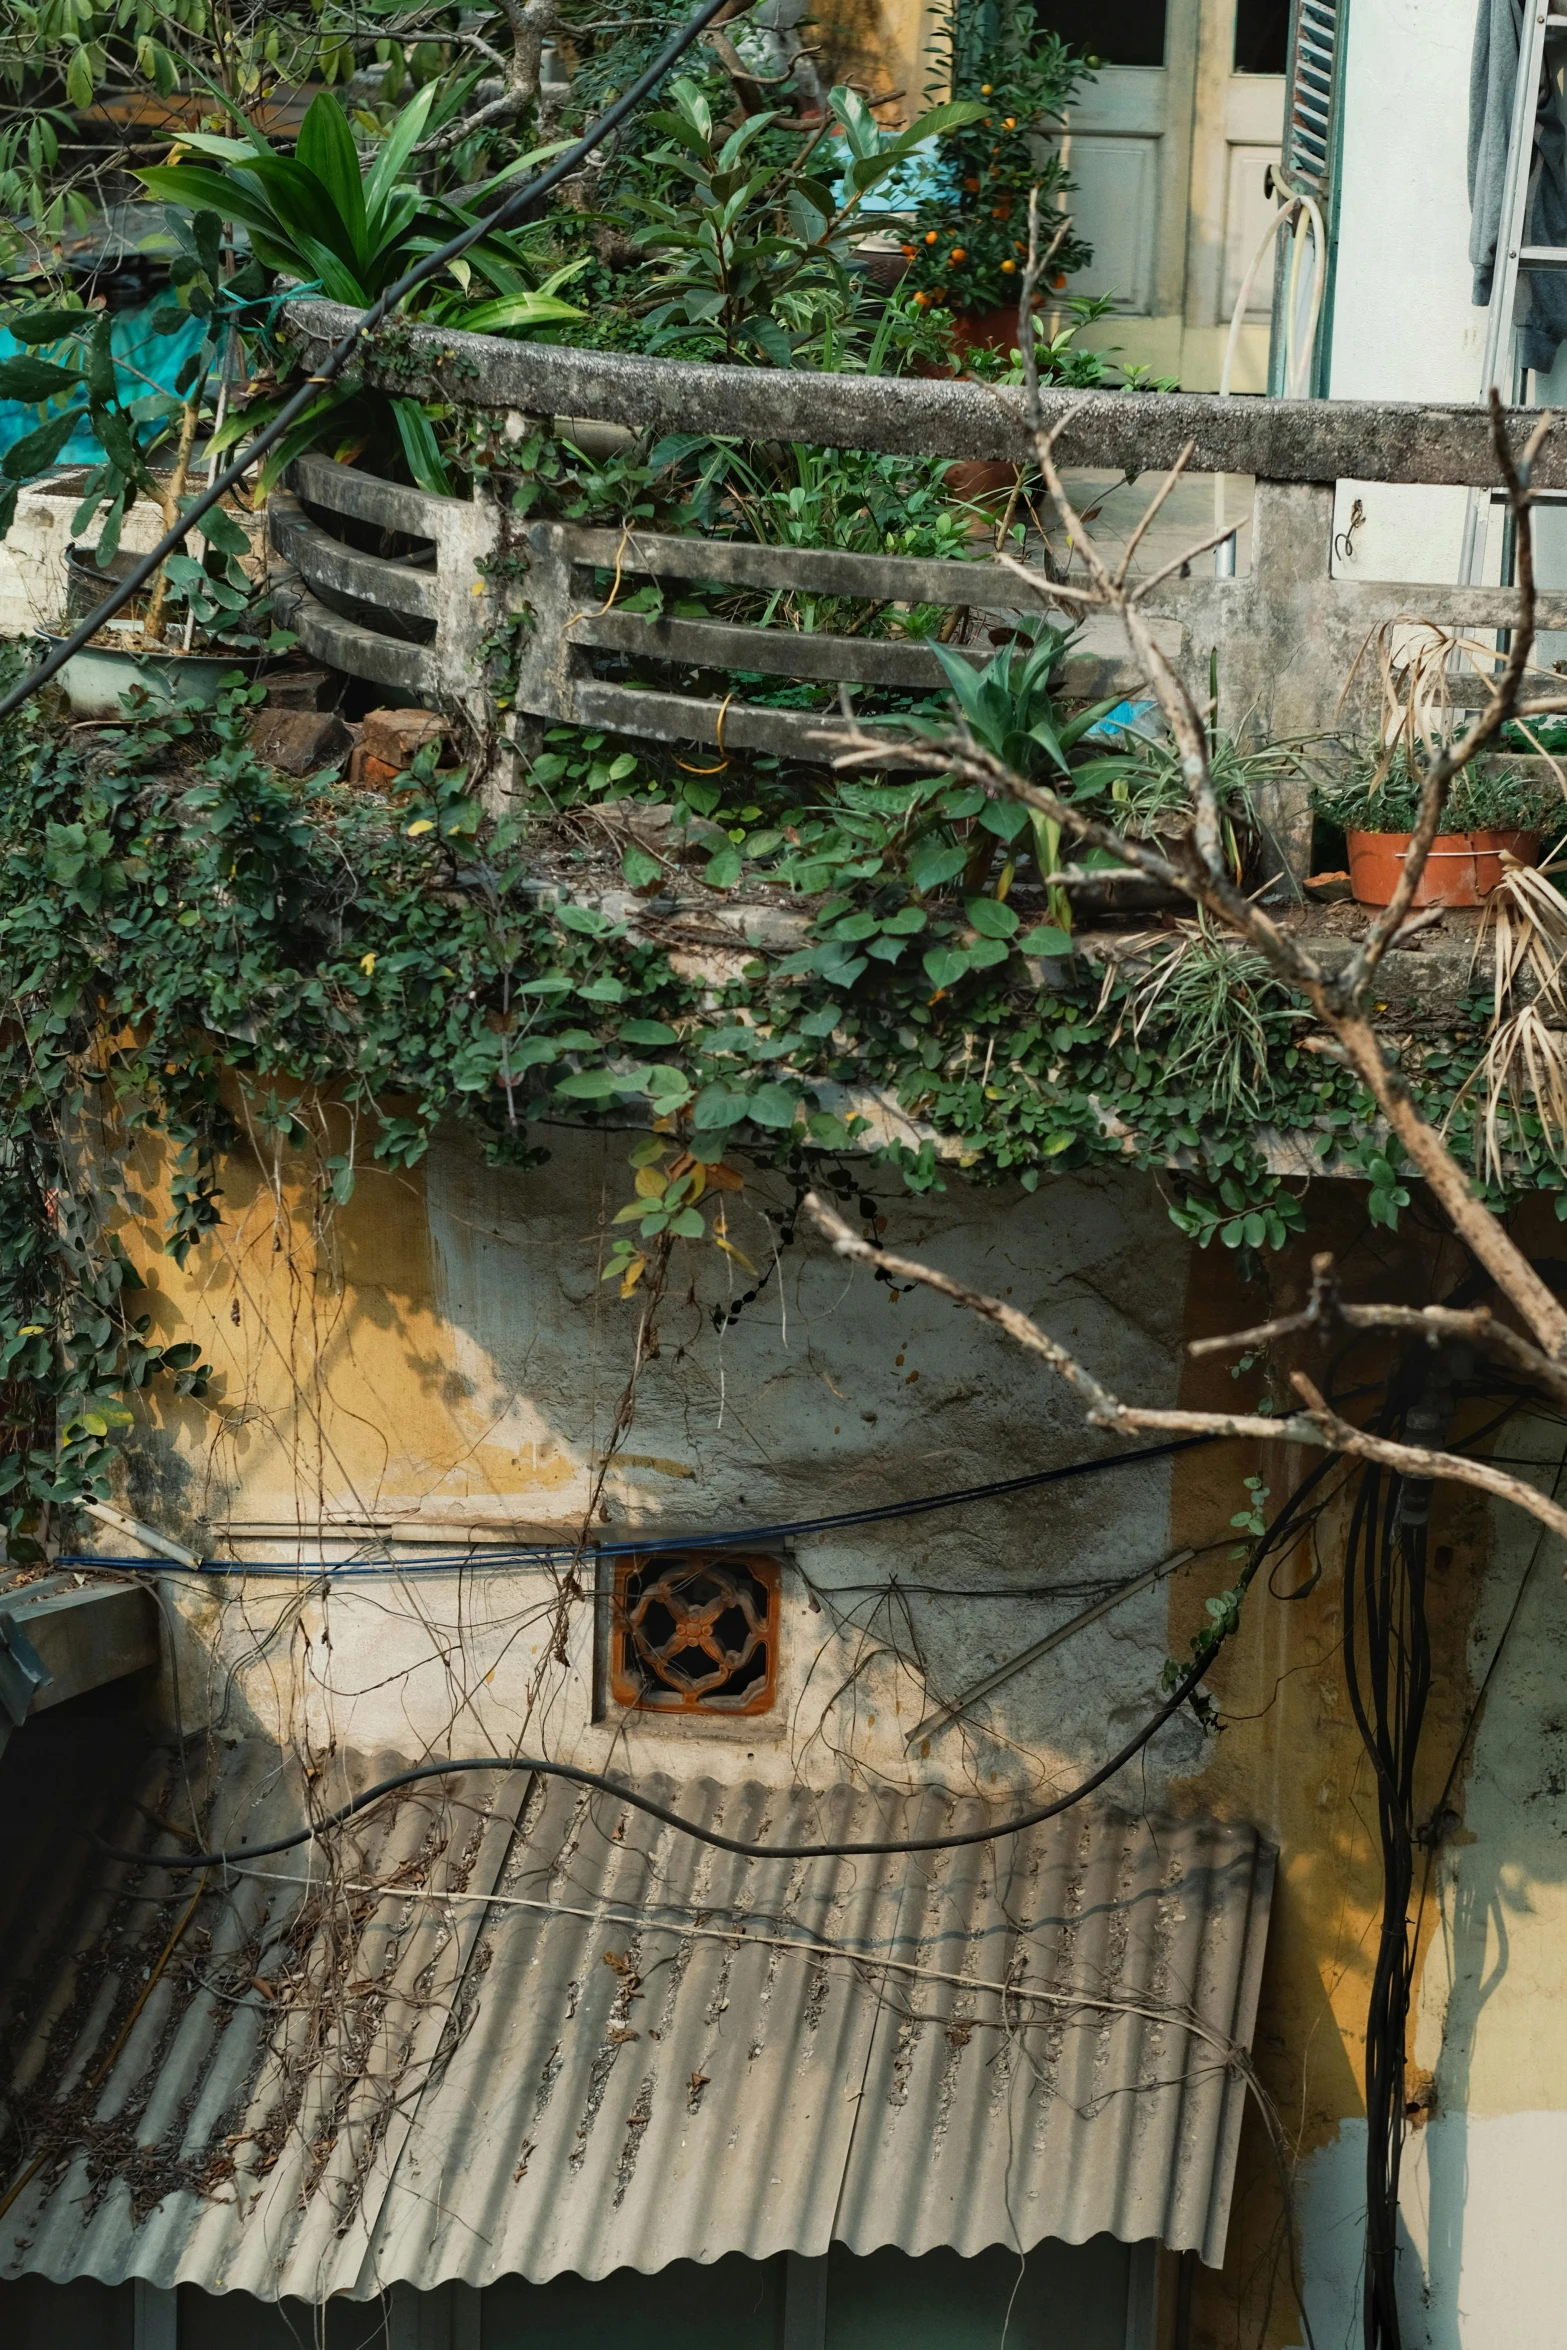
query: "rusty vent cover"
695, 1633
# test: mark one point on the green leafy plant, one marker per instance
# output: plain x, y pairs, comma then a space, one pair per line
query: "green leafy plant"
1491, 794
350, 230
1009, 708
1142, 791
754, 255
139, 435
1059, 358
1218, 1008
161, 888
33, 190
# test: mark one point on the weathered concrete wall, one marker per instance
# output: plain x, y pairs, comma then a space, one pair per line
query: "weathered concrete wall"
1402, 437
1487, 2172
1404, 324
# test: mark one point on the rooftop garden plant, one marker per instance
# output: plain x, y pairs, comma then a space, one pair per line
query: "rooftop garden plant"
751, 256
159, 885
69, 367
347, 226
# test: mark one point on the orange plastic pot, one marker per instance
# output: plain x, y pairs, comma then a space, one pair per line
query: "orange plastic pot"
1462, 869
987, 330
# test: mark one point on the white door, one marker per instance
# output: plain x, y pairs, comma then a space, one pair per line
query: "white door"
1128, 148
1237, 130
1169, 146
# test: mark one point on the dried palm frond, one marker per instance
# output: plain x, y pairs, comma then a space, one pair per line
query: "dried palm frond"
1524, 1066
1525, 922
1417, 662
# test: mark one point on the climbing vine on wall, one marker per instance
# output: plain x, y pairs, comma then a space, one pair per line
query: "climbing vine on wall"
184, 933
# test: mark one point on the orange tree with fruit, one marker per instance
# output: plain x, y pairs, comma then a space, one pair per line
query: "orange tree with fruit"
969, 235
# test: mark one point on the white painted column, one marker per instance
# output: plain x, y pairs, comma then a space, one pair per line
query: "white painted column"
1404, 326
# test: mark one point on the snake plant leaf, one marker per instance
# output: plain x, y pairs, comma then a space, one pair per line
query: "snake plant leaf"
1075, 728
1043, 733
420, 447
306, 434
188, 185
518, 164
391, 224
510, 311
223, 150
302, 206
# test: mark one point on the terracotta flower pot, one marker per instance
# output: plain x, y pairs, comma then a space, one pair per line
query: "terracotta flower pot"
977, 480
987, 330
1462, 869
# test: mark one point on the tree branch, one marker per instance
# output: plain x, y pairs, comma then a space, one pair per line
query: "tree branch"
1196, 863
1318, 1425
1326, 1312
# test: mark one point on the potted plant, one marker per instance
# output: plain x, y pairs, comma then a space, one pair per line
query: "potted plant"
1498, 806
346, 226
968, 240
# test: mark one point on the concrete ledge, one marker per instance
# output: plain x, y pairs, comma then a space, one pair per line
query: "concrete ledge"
1140, 432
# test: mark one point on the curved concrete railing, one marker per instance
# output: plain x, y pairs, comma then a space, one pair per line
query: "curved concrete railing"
1286, 633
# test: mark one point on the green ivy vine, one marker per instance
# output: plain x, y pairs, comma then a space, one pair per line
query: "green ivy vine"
178, 921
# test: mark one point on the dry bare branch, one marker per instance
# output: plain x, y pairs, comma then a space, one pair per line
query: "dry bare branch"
1195, 865
1151, 511
1318, 1426
1326, 1311
1337, 999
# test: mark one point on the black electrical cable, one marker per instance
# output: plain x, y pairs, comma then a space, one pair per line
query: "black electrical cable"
1185, 1688
1388, 1673
670, 1819
368, 320
506, 1554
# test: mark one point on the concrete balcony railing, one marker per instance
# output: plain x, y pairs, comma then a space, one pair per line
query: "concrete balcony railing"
1287, 632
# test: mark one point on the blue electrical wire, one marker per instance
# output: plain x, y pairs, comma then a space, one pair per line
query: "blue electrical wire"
562, 1553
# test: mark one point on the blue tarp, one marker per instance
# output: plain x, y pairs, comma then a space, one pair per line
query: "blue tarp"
144, 363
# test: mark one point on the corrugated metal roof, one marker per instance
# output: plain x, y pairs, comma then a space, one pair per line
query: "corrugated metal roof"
510, 2029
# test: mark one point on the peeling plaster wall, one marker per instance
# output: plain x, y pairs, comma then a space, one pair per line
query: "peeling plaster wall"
448, 1359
